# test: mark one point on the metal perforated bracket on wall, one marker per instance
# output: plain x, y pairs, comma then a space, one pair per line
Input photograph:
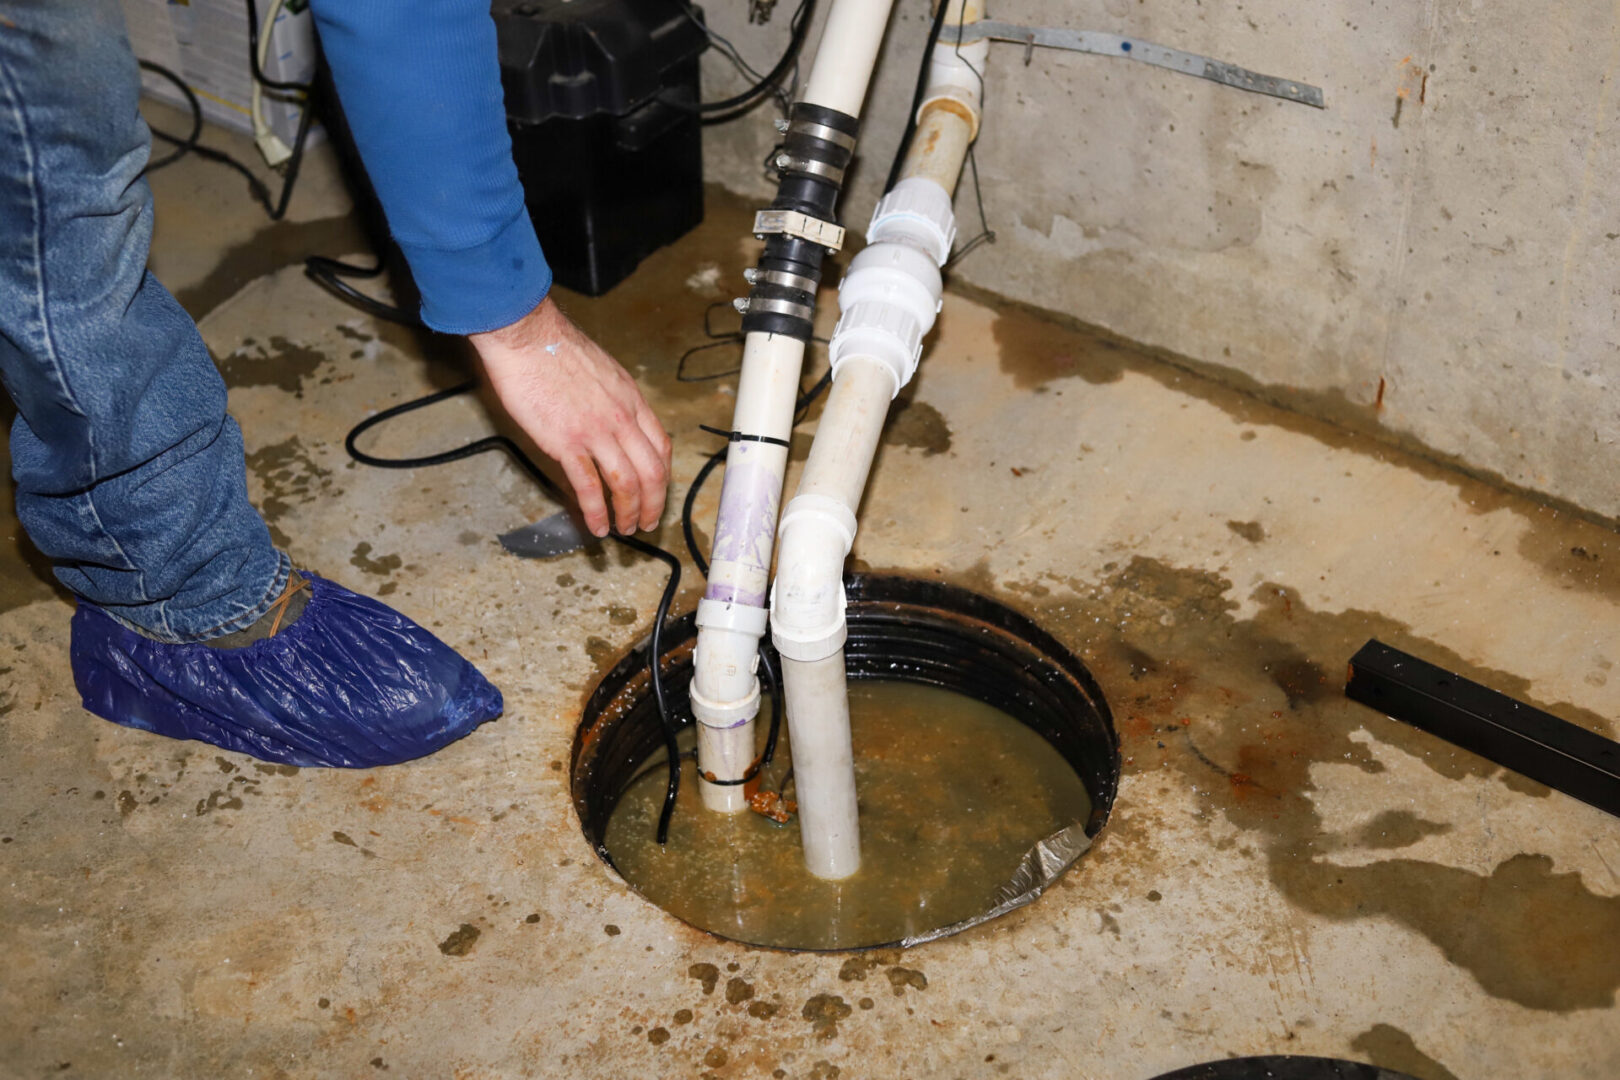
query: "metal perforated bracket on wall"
1125, 48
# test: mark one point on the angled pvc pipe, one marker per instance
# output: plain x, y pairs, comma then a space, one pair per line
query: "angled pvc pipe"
888, 301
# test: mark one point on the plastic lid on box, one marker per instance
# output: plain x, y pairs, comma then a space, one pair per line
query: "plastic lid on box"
578, 58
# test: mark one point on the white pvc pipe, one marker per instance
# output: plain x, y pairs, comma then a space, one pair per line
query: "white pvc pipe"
847, 437
731, 617
889, 299
824, 762
943, 135
847, 54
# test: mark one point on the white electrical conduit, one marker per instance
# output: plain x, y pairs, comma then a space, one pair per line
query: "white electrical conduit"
889, 299
731, 618
275, 151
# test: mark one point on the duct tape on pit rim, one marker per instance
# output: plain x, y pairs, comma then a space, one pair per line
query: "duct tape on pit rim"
1042, 865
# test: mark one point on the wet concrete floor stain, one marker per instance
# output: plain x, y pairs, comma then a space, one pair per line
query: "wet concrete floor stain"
461, 940
279, 363
706, 974
900, 978
919, 425
1252, 531
381, 566
1034, 350
1242, 709
1398, 829
600, 650
283, 243
291, 478
1389, 1047
824, 1011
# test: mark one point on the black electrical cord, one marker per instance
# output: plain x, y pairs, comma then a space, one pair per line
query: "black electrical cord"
767, 664
916, 97
189, 143
782, 95
719, 339
688, 533
513, 450
715, 112
986, 234
276, 206
329, 273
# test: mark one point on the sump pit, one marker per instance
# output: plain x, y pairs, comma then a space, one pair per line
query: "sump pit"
981, 781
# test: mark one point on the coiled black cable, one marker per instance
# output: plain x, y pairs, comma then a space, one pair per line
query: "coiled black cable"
329, 274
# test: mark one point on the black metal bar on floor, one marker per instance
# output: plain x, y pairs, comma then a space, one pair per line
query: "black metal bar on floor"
1512, 734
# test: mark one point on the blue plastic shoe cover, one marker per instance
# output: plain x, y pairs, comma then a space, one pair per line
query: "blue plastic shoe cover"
350, 683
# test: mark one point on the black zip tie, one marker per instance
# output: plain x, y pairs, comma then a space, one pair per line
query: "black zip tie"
738, 436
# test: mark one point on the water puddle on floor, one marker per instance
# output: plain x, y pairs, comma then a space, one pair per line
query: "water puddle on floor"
953, 793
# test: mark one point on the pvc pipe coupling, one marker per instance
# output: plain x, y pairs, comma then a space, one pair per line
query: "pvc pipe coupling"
728, 657
915, 211
807, 597
892, 292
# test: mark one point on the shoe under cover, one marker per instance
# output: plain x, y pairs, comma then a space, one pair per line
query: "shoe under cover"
350, 683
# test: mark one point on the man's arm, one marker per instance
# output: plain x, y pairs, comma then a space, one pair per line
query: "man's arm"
421, 90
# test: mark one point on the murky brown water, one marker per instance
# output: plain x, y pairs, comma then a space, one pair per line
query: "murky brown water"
952, 794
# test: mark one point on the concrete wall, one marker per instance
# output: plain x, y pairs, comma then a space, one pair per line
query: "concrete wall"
1448, 229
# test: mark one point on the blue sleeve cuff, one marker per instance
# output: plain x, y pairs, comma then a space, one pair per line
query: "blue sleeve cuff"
483, 287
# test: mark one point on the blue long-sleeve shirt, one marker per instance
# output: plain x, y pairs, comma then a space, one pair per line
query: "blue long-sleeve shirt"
420, 84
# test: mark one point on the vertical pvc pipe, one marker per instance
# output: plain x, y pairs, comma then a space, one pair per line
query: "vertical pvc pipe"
725, 686
739, 568
847, 54
732, 615
824, 762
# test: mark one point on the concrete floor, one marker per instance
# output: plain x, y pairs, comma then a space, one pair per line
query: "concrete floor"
1285, 872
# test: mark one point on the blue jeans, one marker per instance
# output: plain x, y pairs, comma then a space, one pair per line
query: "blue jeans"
129, 472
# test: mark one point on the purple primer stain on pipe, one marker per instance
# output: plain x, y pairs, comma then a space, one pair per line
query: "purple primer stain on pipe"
740, 565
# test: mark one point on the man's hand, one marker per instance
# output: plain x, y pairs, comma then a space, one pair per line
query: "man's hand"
584, 410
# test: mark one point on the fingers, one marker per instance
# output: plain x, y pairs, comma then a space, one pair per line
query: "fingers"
624, 485
652, 472
650, 427
581, 473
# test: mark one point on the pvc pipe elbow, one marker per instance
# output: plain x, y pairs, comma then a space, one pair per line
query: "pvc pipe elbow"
954, 76
807, 599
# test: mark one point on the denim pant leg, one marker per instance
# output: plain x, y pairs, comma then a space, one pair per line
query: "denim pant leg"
129, 472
